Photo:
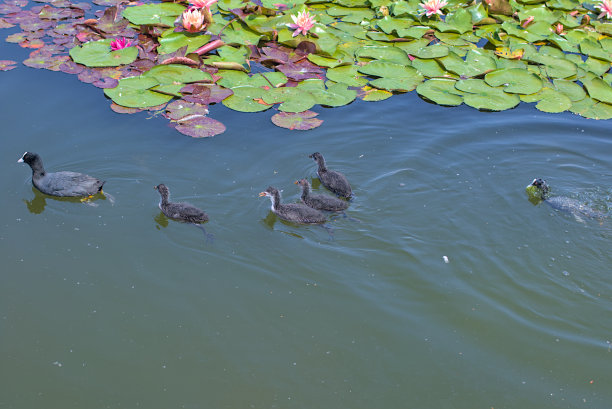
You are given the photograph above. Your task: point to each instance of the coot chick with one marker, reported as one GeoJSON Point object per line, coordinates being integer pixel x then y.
{"type": "Point", "coordinates": [334, 181]}
{"type": "Point", "coordinates": [62, 184]}
{"type": "Point", "coordinates": [180, 211]}
{"type": "Point", "coordinates": [320, 202]}
{"type": "Point", "coordinates": [539, 191]}
{"type": "Point", "coordinates": [292, 212]}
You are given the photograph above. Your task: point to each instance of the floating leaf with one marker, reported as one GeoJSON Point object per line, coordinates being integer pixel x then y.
{"type": "Point", "coordinates": [515, 80]}
{"type": "Point", "coordinates": [599, 90]}
{"type": "Point", "coordinates": [441, 91]}
{"type": "Point", "coordinates": [99, 54]}
{"type": "Point", "coordinates": [476, 63]}
{"type": "Point", "coordinates": [7, 65]}
{"type": "Point", "coordinates": [134, 92]}
{"type": "Point", "coordinates": [590, 108]}
{"type": "Point", "coordinates": [480, 95]}
{"type": "Point", "coordinates": [162, 14]}
{"type": "Point", "coordinates": [347, 74]}
{"type": "Point", "coordinates": [391, 54]}
{"type": "Point", "coordinates": [553, 101]}
{"type": "Point", "coordinates": [301, 121]}
{"type": "Point", "coordinates": [200, 127]}
{"type": "Point", "coordinates": [176, 74]}
{"type": "Point", "coordinates": [171, 41]}
{"type": "Point", "coordinates": [370, 94]}
{"type": "Point", "coordinates": [180, 109]}
{"type": "Point", "coordinates": [572, 90]}
{"type": "Point", "coordinates": [247, 99]}
{"type": "Point", "coordinates": [291, 99]}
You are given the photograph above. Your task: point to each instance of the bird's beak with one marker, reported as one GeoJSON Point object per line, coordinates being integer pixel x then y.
{"type": "Point", "coordinates": [20, 160]}
{"type": "Point", "coordinates": [154, 187]}
{"type": "Point", "coordinates": [296, 182]}
{"type": "Point", "coordinates": [262, 194]}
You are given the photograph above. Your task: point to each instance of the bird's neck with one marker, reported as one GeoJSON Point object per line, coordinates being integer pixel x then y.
{"type": "Point", "coordinates": [275, 199]}
{"type": "Point", "coordinates": [305, 192]}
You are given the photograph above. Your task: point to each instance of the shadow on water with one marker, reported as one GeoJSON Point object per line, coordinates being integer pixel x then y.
{"type": "Point", "coordinates": [39, 202]}
{"type": "Point", "coordinates": [162, 220]}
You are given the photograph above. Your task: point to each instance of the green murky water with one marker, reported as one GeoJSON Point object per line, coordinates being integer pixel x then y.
{"type": "Point", "coordinates": [114, 306]}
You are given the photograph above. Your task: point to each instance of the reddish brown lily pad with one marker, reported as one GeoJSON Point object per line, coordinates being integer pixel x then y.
{"type": "Point", "coordinates": [7, 65]}
{"type": "Point", "coordinates": [181, 109]}
{"type": "Point", "coordinates": [9, 8]}
{"type": "Point", "coordinates": [105, 82]}
{"type": "Point", "coordinates": [34, 43]}
{"type": "Point", "coordinates": [301, 121]}
{"type": "Point", "coordinates": [205, 94]}
{"type": "Point", "coordinates": [35, 25]}
{"type": "Point", "coordinates": [53, 13]}
{"type": "Point", "coordinates": [200, 127]}
{"type": "Point", "coordinates": [124, 110]}
{"type": "Point", "coordinates": [5, 24]}
{"type": "Point", "coordinates": [70, 67]}
{"type": "Point", "coordinates": [302, 70]}
{"type": "Point", "coordinates": [43, 60]}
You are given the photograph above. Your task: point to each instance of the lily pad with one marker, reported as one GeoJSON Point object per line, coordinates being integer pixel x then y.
{"type": "Point", "coordinates": [247, 99]}
{"type": "Point", "coordinates": [553, 101]}
{"type": "Point", "coordinates": [180, 109]}
{"type": "Point", "coordinates": [599, 90]}
{"type": "Point", "coordinates": [572, 90]}
{"type": "Point", "coordinates": [301, 121]}
{"type": "Point", "coordinates": [200, 127]}
{"type": "Point", "coordinates": [163, 14]}
{"type": "Point", "coordinates": [7, 65]}
{"type": "Point", "coordinates": [515, 80]}
{"type": "Point", "coordinates": [134, 92]}
{"type": "Point", "coordinates": [371, 94]}
{"type": "Point", "coordinates": [171, 41]}
{"type": "Point", "coordinates": [291, 99]}
{"type": "Point", "coordinates": [590, 108]}
{"type": "Point", "coordinates": [99, 54]}
{"type": "Point", "coordinates": [441, 91]}
{"type": "Point", "coordinates": [176, 74]}
{"type": "Point", "coordinates": [476, 63]}
{"type": "Point", "coordinates": [480, 95]}
{"type": "Point", "coordinates": [347, 74]}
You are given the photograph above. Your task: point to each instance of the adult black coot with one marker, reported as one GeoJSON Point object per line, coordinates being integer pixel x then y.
{"type": "Point", "coordinates": [334, 181]}
{"type": "Point", "coordinates": [180, 211]}
{"type": "Point", "coordinates": [62, 184]}
{"type": "Point", "coordinates": [320, 202]}
{"type": "Point", "coordinates": [293, 212]}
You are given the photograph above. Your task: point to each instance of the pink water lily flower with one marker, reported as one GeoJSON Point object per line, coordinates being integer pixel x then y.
{"type": "Point", "coordinates": [201, 4]}
{"type": "Point", "coordinates": [559, 29]}
{"type": "Point", "coordinates": [120, 43]}
{"type": "Point", "coordinates": [303, 22]}
{"type": "Point", "coordinates": [193, 20]}
{"type": "Point", "coordinates": [431, 7]}
{"type": "Point", "coordinates": [606, 8]}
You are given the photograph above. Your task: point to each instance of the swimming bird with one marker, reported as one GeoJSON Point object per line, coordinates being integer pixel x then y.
{"type": "Point", "coordinates": [539, 190]}
{"type": "Point", "coordinates": [180, 211]}
{"type": "Point", "coordinates": [320, 202]}
{"type": "Point", "coordinates": [62, 184]}
{"type": "Point", "coordinates": [334, 181]}
{"type": "Point", "coordinates": [293, 212]}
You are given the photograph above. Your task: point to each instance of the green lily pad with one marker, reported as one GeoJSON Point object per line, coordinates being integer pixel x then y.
{"type": "Point", "coordinates": [246, 99]}
{"type": "Point", "coordinates": [441, 91]}
{"type": "Point", "coordinates": [291, 99]}
{"type": "Point", "coordinates": [301, 121]}
{"type": "Point", "coordinates": [429, 67]}
{"type": "Point", "coordinates": [599, 90]}
{"type": "Point", "coordinates": [162, 14]}
{"type": "Point", "coordinates": [99, 54]}
{"type": "Point", "coordinates": [347, 74]}
{"type": "Point", "coordinates": [572, 90]}
{"type": "Point", "coordinates": [176, 74]}
{"type": "Point", "coordinates": [390, 53]}
{"type": "Point", "coordinates": [515, 80]}
{"type": "Point", "coordinates": [171, 41]}
{"type": "Point", "coordinates": [553, 101]}
{"type": "Point", "coordinates": [590, 108]}
{"type": "Point", "coordinates": [421, 49]}
{"type": "Point", "coordinates": [134, 92]}
{"type": "Point", "coordinates": [334, 95]}
{"type": "Point", "coordinates": [594, 49]}
{"type": "Point", "coordinates": [476, 63]}
{"type": "Point", "coordinates": [324, 61]}
{"type": "Point", "coordinates": [480, 95]}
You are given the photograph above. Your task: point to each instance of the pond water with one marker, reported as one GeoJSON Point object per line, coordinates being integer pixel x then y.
{"type": "Point", "coordinates": [115, 306]}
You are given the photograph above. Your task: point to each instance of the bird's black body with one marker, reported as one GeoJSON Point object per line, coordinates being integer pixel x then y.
{"type": "Point", "coordinates": [293, 212]}
{"type": "Point", "coordinates": [334, 181]}
{"type": "Point", "coordinates": [180, 211]}
{"type": "Point", "coordinates": [320, 202]}
{"type": "Point", "coordinates": [61, 184]}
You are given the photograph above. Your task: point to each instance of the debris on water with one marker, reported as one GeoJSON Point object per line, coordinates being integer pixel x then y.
{"type": "Point", "coordinates": [565, 273]}
{"type": "Point", "coordinates": [445, 259]}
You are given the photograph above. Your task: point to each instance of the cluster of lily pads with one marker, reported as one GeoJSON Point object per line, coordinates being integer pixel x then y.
{"type": "Point", "coordinates": [290, 55]}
